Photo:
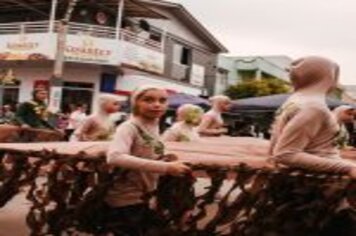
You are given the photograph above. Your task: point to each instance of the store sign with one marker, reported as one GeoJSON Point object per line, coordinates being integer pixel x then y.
{"type": "Point", "coordinates": [197, 77]}
{"type": "Point", "coordinates": [87, 49]}
{"type": "Point", "coordinates": [141, 57]}
{"type": "Point", "coordinates": [27, 47]}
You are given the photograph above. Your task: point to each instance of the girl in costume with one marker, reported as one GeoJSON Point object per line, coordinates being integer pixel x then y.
{"type": "Point", "coordinates": [137, 149]}
{"type": "Point", "coordinates": [99, 126]}
{"type": "Point", "coordinates": [188, 117]}
{"type": "Point", "coordinates": [34, 113]}
{"type": "Point", "coordinates": [212, 123]}
{"type": "Point", "coordinates": [305, 131]}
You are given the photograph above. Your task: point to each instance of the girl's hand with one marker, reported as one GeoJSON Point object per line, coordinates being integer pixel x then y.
{"type": "Point", "coordinates": [170, 157]}
{"type": "Point", "coordinates": [177, 168]}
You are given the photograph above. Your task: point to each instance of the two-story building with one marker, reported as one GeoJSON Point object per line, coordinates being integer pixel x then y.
{"type": "Point", "coordinates": [109, 46]}
{"type": "Point", "coordinates": [234, 69]}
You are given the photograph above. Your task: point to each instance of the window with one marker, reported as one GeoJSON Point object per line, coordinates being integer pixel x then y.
{"type": "Point", "coordinates": [10, 92]}
{"type": "Point", "coordinates": [181, 54]}
{"type": "Point", "coordinates": [247, 74]}
{"type": "Point", "coordinates": [107, 83]}
{"type": "Point", "coordinates": [155, 36]}
{"type": "Point", "coordinates": [10, 95]}
{"type": "Point", "coordinates": [77, 93]}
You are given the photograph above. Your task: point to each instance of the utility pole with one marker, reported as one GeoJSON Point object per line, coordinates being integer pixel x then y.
{"type": "Point", "coordinates": [57, 79]}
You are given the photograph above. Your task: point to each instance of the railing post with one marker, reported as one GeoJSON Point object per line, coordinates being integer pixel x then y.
{"type": "Point", "coordinates": [52, 18]}
{"type": "Point", "coordinates": [120, 11]}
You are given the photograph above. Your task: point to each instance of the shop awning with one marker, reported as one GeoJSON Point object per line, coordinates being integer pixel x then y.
{"type": "Point", "coordinates": [271, 103]}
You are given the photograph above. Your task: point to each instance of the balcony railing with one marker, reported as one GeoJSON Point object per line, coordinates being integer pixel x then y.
{"type": "Point", "coordinates": [140, 39]}
{"type": "Point", "coordinates": [24, 27]}
{"type": "Point", "coordinates": [79, 28]}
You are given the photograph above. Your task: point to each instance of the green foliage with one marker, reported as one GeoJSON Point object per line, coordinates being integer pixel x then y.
{"type": "Point", "coordinates": [257, 88]}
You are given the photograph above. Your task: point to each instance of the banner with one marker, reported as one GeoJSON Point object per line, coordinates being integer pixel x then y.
{"type": "Point", "coordinates": [31, 47]}
{"type": "Point", "coordinates": [88, 49]}
{"type": "Point", "coordinates": [141, 57]}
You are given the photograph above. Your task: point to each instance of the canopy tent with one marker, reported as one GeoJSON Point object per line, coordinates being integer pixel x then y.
{"type": "Point", "coordinates": [177, 99]}
{"type": "Point", "coordinates": [271, 103]}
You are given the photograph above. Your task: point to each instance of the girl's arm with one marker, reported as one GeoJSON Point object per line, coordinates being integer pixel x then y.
{"type": "Point", "coordinates": [83, 131]}
{"type": "Point", "coordinates": [204, 127]}
{"type": "Point", "coordinates": [294, 138]}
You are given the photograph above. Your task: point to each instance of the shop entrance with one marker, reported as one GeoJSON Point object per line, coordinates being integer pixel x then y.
{"type": "Point", "coordinates": [77, 93]}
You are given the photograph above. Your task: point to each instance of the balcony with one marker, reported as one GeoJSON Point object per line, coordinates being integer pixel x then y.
{"type": "Point", "coordinates": [85, 43]}
{"type": "Point", "coordinates": [80, 29]}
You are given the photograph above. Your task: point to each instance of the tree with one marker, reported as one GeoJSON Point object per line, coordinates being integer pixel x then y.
{"type": "Point", "coordinates": [257, 88]}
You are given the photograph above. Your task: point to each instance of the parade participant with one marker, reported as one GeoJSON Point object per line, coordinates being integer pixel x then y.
{"type": "Point", "coordinates": [8, 115]}
{"type": "Point", "coordinates": [344, 115]}
{"type": "Point", "coordinates": [138, 150]}
{"type": "Point", "coordinates": [34, 113]}
{"type": "Point", "coordinates": [305, 131]}
{"type": "Point", "coordinates": [212, 123]}
{"type": "Point", "coordinates": [99, 126]}
{"type": "Point", "coordinates": [75, 120]}
{"type": "Point", "coordinates": [188, 117]}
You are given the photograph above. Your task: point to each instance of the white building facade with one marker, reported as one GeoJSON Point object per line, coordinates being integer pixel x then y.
{"type": "Point", "coordinates": [145, 42]}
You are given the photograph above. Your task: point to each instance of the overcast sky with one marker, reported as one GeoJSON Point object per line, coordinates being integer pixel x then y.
{"type": "Point", "coordinates": [284, 27]}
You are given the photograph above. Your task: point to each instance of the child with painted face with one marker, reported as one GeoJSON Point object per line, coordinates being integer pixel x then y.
{"type": "Point", "coordinates": [212, 123]}
{"type": "Point", "coordinates": [305, 131]}
{"type": "Point", "coordinates": [99, 126]}
{"type": "Point", "coordinates": [137, 149]}
{"type": "Point", "coordinates": [188, 117]}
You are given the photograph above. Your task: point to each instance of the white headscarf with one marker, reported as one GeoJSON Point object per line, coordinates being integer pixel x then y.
{"type": "Point", "coordinates": [138, 92]}
{"type": "Point", "coordinates": [217, 100]}
{"type": "Point", "coordinates": [313, 77]}
{"type": "Point", "coordinates": [189, 113]}
{"type": "Point", "coordinates": [103, 100]}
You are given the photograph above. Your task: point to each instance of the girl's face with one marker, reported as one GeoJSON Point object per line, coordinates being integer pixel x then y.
{"type": "Point", "coordinates": [112, 106]}
{"type": "Point", "coordinates": [152, 104]}
{"type": "Point", "coordinates": [225, 106]}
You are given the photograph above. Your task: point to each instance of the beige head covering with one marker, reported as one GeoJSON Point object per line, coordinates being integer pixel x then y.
{"type": "Point", "coordinates": [104, 99]}
{"type": "Point", "coordinates": [189, 113]}
{"type": "Point", "coordinates": [314, 74]}
{"type": "Point", "coordinates": [217, 100]}
{"type": "Point", "coordinates": [138, 92]}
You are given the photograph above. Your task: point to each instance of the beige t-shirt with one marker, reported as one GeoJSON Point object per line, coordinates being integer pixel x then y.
{"type": "Point", "coordinates": [94, 128]}
{"type": "Point", "coordinates": [305, 136]}
{"type": "Point", "coordinates": [137, 149]}
{"type": "Point", "coordinates": [211, 124]}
